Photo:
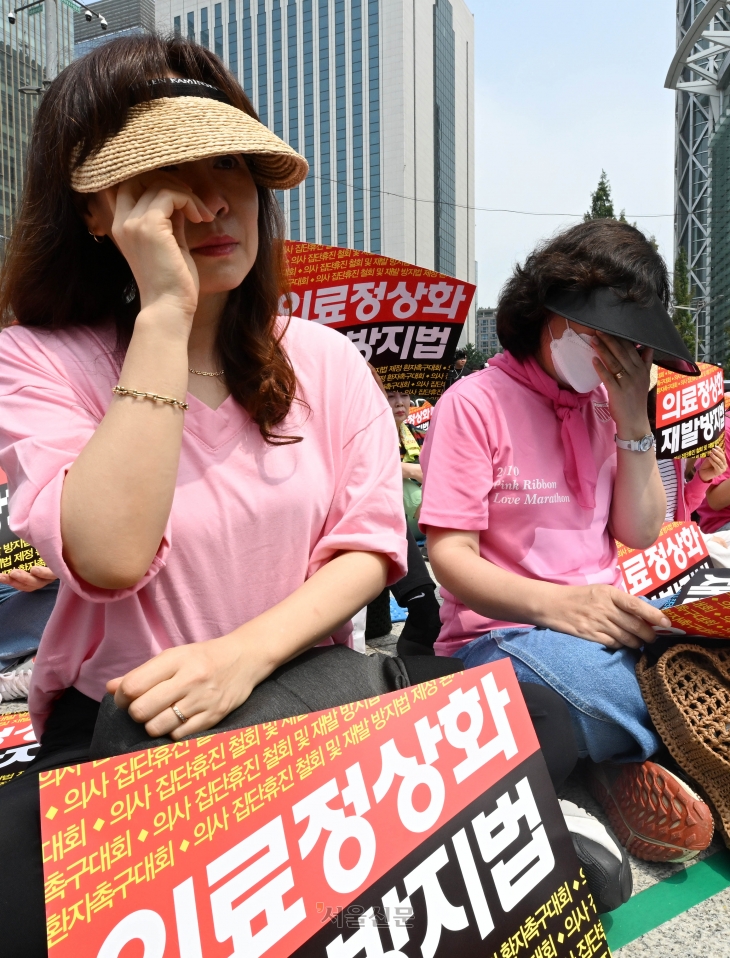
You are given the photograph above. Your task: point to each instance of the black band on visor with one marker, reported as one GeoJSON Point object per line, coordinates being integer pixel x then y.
{"type": "Point", "coordinates": [177, 86]}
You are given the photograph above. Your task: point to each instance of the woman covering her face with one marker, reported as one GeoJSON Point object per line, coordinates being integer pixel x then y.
{"type": "Point", "coordinates": [216, 486]}
{"type": "Point", "coordinates": [534, 467]}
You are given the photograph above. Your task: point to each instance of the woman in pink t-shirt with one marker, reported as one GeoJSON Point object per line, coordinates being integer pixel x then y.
{"type": "Point", "coordinates": [533, 468]}
{"type": "Point", "coordinates": [217, 488]}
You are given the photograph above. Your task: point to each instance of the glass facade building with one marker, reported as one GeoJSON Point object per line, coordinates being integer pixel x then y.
{"type": "Point", "coordinates": [444, 139]}
{"type": "Point", "coordinates": [312, 71]}
{"type": "Point", "coordinates": [375, 94]}
{"type": "Point", "coordinates": [22, 78]}
{"type": "Point", "coordinates": [486, 340]}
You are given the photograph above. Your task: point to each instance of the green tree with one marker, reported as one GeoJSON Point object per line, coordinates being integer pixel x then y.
{"type": "Point", "coordinates": [683, 319]}
{"type": "Point", "coordinates": [601, 201]}
{"type": "Point", "coordinates": [475, 358]}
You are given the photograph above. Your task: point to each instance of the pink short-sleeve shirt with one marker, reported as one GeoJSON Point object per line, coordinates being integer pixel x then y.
{"type": "Point", "coordinates": [250, 522]}
{"type": "Point", "coordinates": [493, 463]}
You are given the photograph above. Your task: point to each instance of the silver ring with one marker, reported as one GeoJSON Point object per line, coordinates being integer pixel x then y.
{"type": "Point", "coordinates": [179, 714]}
{"type": "Point", "coordinates": [619, 374]}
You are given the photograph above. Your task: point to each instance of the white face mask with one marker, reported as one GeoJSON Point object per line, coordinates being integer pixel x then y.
{"type": "Point", "coordinates": [572, 357]}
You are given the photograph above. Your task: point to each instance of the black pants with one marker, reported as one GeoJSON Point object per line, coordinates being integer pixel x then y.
{"type": "Point", "coordinates": [416, 578]}
{"type": "Point", "coordinates": [66, 741]}
{"type": "Point", "coordinates": [417, 575]}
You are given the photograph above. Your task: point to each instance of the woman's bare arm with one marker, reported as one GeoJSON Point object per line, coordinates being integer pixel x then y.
{"type": "Point", "coordinates": [412, 470]}
{"type": "Point", "coordinates": [638, 504]}
{"type": "Point", "coordinates": [207, 680]}
{"type": "Point", "coordinates": [118, 494]}
{"type": "Point", "coordinates": [718, 497]}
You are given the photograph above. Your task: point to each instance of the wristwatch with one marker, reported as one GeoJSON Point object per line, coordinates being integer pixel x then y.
{"type": "Point", "coordinates": [636, 445]}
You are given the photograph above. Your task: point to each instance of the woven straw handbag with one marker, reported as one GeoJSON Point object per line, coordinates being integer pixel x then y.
{"type": "Point", "coordinates": [687, 693]}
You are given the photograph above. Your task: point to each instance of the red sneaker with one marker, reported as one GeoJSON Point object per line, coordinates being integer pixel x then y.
{"type": "Point", "coordinates": [654, 814]}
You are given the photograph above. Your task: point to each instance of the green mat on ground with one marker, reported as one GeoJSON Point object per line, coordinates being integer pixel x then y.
{"type": "Point", "coordinates": [667, 899]}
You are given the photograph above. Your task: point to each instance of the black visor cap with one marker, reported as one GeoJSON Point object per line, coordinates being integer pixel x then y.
{"type": "Point", "coordinates": [603, 308]}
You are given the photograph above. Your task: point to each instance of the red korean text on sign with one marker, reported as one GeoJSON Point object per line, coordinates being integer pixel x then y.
{"type": "Point", "coordinates": [690, 412]}
{"type": "Point", "coordinates": [405, 320]}
{"type": "Point", "coordinates": [228, 845]}
{"type": "Point", "coordinates": [420, 416]}
{"type": "Point", "coordinates": [664, 567]}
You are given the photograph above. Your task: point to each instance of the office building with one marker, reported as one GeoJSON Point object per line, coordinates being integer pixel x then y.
{"type": "Point", "coordinates": [125, 18]}
{"type": "Point", "coordinates": [486, 340]}
{"type": "Point", "coordinates": [700, 73]}
{"type": "Point", "coordinates": [378, 95]}
{"type": "Point", "coordinates": [24, 55]}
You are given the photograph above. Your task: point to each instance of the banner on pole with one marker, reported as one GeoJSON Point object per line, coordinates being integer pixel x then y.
{"type": "Point", "coordinates": [15, 553]}
{"type": "Point", "coordinates": [417, 823]}
{"type": "Point", "coordinates": [405, 320]}
{"type": "Point", "coordinates": [663, 568]}
{"type": "Point", "coordinates": [690, 413]}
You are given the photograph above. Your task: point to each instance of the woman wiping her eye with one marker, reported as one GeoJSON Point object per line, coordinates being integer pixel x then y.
{"type": "Point", "coordinates": [217, 487]}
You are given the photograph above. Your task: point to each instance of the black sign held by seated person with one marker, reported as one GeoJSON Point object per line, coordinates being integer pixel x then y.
{"type": "Point", "coordinates": [15, 553]}
{"type": "Point", "coordinates": [690, 413]}
{"type": "Point", "coordinates": [417, 824]}
{"type": "Point", "coordinates": [405, 320]}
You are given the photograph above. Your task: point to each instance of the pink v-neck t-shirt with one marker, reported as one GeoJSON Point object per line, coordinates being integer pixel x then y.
{"type": "Point", "coordinates": [493, 463]}
{"type": "Point", "coordinates": [250, 522]}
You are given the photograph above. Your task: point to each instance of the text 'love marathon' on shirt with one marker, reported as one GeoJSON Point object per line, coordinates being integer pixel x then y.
{"type": "Point", "coordinates": [417, 823]}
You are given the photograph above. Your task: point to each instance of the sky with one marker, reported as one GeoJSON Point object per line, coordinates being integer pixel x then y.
{"type": "Point", "coordinates": [565, 89]}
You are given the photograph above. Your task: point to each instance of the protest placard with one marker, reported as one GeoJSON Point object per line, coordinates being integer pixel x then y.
{"type": "Point", "coordinates": [417, 823]}
{"type": "Point", "coordinates": [690, 413]}
{"type": "Point", "coordinates": [14, 552]}
{"type": "Point", "coordinates": [703, 607]}
{"type": "Point", "coordinates": [664, 567]}
{"type": "Point", "coordinates": [420, 416]}
{"type": "Point", "coordinates": [405, 320]}
{"type": "Point", "coordinates": [18, 744]}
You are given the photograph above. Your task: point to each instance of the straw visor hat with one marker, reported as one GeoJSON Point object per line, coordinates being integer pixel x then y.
{"type": "Point", "coordinates": [184, 121]}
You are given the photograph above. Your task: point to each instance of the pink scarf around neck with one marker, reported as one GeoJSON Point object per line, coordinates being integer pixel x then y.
{"type": "Point", "coordinates": [580, 467]}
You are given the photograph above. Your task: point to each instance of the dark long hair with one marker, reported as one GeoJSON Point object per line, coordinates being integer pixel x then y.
{"type": "Point", "coordinates": [55, 275]}
{"type": "Point", "coordinates": [601, 252]}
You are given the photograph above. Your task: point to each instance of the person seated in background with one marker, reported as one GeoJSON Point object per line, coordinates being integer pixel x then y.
{"type": "Point", "coordinates": [410, 455]}
{"type": "Point", "coordinates": [533, 468]}
{"type": "Point", "coordinates": [714, 511]}
{"type": "Point", "coordinates": [416, 591]}
{"type": "Point", "coordinates": [458, 368]}
{"type": "Point", "coordinates": [686, 481]}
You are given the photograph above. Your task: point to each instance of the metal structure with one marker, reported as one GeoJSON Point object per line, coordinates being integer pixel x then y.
{"type": "Point", "coordinates": [700, 73]}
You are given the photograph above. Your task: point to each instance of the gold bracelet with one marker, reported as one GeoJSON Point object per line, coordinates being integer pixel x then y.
{"type": "Point", "coordinates": [121, 391]}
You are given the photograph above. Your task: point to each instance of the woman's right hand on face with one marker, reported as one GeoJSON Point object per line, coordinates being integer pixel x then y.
{"type": "Point", "coordinates": [149, 229]}
{"type": "Point", "coordinates": [604, 614]}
